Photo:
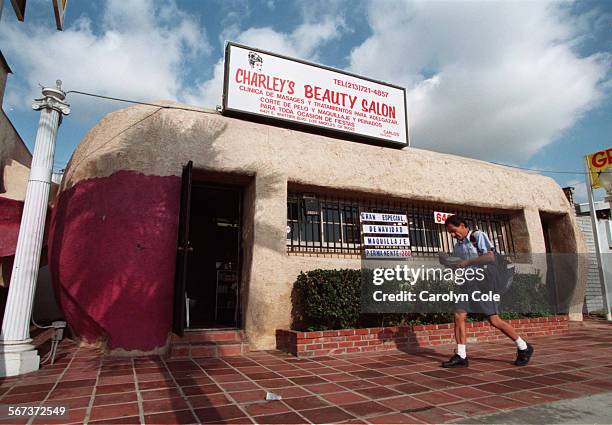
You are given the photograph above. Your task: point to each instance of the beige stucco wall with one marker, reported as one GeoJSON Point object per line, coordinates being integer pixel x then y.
{"type": "Point", "coordinates": [15, 160]}
{"type": "Point", "coordinates": [158, 141]}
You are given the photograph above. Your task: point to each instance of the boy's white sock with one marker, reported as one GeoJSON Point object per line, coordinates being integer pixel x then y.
{"type": "Point", "coordinates": [461, 351]}
{"type": "Point", "coordinates": [520, 344]}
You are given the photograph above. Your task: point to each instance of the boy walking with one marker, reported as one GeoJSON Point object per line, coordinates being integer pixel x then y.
{"type": "Point", "coordinates": [476, 250]}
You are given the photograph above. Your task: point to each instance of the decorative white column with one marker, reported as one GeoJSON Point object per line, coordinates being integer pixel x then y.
{"type": "Point", "coordinates": [17, 354]}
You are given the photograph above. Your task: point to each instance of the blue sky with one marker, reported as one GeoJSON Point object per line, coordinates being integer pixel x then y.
{"type": "Point", "coordinates": [523, 83]}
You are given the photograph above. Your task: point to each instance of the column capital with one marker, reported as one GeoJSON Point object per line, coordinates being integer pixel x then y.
{"type": "Point", "coordinates": [53, 99]}
{"type": "Point", "coordinates": [51, 103]}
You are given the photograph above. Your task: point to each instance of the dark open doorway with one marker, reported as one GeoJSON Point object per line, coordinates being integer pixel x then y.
{"type": "Point", "coordinates": [208, 267]}
{"type": "Point", "coordinates": [550, 273]}
{"type": "Point", "coordinates": [212, 283]}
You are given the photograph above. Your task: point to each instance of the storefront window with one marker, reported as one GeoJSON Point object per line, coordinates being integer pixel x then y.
{"type": "Point", "coordinates": [304, 228]}
{"type": "Point", "coordinates": [325, 224]}
{"type": "Point", "coordinates": [350, 225]}
{"type": "Point", "coordinates": [331, 223]}
{"type": "Point", "coordinates": [423, 234]}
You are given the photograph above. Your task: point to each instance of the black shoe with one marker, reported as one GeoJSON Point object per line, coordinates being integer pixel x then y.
{"type": "Point", "coordinates": [523, 356]}
{"type": "Point", "coordinates": [456, 361]}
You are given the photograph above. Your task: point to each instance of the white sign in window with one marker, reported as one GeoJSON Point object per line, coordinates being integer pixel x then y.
{"type": "Point", "coordinates": [388, 253]}
{"type": "Point", "coordinates": [386, 218]}
{"type": "Point", "coordinates": [384, 229]}
{"type": "Point", "coordinates": [385, 241]}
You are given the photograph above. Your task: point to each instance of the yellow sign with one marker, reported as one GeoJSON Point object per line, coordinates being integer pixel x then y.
{"type": "Point", "coordinates": [599, 162]}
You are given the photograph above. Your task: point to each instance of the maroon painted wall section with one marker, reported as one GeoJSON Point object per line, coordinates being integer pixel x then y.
{"type": "Point", "coordinates": [112, 256]}
{"type": "Point", "coordinates": [10, 220]}
{"type": "Point", "coordinates": [10, 217]}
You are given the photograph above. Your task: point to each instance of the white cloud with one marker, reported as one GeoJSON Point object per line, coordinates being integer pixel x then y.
{"type": "Point", "coordinates": [493, 80]}
{"type": "Point", "coordinates": [209, 92]}
{"type": "Point", "coordinates": [139, 52]}
{"type": "Point", "coordinates": [484, 76]}
{"type": "Point", "coordinates": [303, 42]}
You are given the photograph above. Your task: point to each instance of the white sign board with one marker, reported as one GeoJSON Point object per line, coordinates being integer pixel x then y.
{"type": "Point", "coordinates": [386, 218]}
{"type": "Point", "coordinates": [440, 217]}
{"type": "Point", "coordinates": [388, 253]}
{"type": "Point", "coordinates": [272, 86]}
{"type": "Point", "coordinates": [385, 241]}
{"type": "Point", "coordinates": [383, 229]}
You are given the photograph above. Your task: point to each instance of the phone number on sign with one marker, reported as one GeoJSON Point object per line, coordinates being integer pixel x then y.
{"type": "Point", "coordinates": [389, 253]}
{"type": "Point", "coordinates": [33, 410]}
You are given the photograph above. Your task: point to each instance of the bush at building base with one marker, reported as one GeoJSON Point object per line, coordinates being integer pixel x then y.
{"type": "Point", "coordinates": [331, 299]}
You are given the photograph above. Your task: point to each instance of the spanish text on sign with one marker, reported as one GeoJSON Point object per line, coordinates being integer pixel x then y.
{"type": "Point", "coordinates": [388, 253]}
{"type": "Point", "coordinates": [269, 85]}
{"type": "Point", "coordinates": [387, 218]}
{"type": "Point", "coordinates": [382, 229]}
{"type": "Point", "coordinates": [382, 241]}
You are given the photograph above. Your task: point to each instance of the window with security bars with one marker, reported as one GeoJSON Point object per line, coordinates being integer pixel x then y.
{"type": "Point", "coordinates": [327, 224]}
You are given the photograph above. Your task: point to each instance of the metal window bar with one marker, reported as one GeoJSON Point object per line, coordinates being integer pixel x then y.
{"type": "Point", "coordinates": [337, 226]}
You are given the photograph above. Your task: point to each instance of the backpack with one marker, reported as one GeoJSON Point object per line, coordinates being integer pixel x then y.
{"type": "Point", "coordinates": [504, 269]}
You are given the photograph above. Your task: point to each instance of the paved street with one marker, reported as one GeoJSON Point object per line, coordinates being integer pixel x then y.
{"type": "Point", "coordinates": [388, 387]}
{"type": "Point", "coordinates": [593, 409]}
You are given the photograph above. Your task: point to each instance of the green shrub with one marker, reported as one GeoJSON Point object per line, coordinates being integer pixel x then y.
{"type": "Point", "coordinates": [328, 299]}
{"type": "Point", "coordinates": [528, 297]}
{"type": "Point", "coordinates": [331, 299]}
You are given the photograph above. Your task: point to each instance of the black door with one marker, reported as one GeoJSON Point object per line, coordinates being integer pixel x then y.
{"type": "Point", "coordinates": [213, 281]}
{"type": "Point", "coordinates": [183, 251]}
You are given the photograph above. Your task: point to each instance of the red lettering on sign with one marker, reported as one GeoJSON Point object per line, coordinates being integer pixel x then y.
{"type": "Point", "coordinates": [601, 159]}
{"type": "Point", "coordinates": [440, 217]}
{"type": "Point", "coordinates": [264, 81]}
{"type": "Point", "coordinates": [378, 108]}
{"type": "Point", "coordinates": [329, 96]}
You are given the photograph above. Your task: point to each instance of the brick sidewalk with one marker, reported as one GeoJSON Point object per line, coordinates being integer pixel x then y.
{"type": "Point", "coordinates": [389, 387]}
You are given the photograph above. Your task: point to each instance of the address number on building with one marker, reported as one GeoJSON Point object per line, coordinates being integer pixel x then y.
{"type": "Point", "coordinates": [440, 217]}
